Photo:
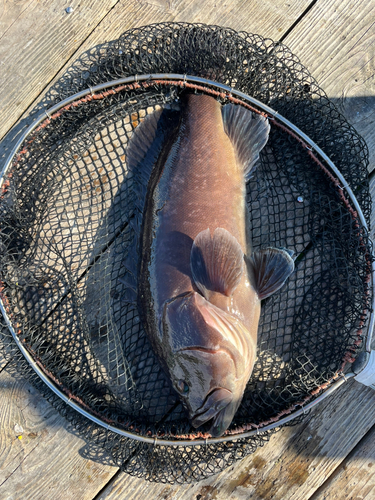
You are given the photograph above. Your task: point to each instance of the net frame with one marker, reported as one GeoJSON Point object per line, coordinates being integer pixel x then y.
{"type": "Point", "coordinates": [225, 92]}
{"type": "Point", "coordinates": [278, 120]}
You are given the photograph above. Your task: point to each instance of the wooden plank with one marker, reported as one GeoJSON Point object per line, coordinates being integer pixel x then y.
{"type": "Point", "coordinates": [336, 42]}
{"type": "Point", "coordinates": [236, 482]}
{"type": "Point", "coordinates": [10, 12]}
{"type": "Point", "coordinates": [40, 458]}
{"type": "Point", "coordinates": [355, 478]}
{"type": "Point", "coordinates": [293, 465]}
{"type": "Point", "coordinates": [268, 18]}
{"type": "Point", "coordinates": [36, 41]}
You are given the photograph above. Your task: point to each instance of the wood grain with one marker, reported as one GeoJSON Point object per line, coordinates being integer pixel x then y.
{"type": "Point", "coordinates": [355, 478]}
{"type": "Point", "coordinates": [298, 460]}
{"type": "Point", "coordinates": [10, 12]}
{"type": "Point", "coordinates": [36, 44]}
{"type": "Point", "coordinates": [39, 458]}
{"type": "Point", "coordinates": [336, 42]}
{"type": "Point", "coordinates": [25, 83]}
{"type": "Point", "coordinates": [295, 462]}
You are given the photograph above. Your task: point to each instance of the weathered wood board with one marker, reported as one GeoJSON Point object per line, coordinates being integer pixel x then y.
{"type": "Point", "coordinates": [295, 462]}
{"type": "Point", "coordinates": [40, 457]}
{"type": "Point", "coordinates": [268, 18]}
{"type": "Point", "coordinates": [336, 42]}
{"type": "Point", "coordinates": [355, 478]}
{"type": "Point", "coordinates": [35, 41]}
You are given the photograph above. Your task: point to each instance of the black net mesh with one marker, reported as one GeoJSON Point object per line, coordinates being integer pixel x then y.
{"type": "Point", "coordinates": [67, 232]}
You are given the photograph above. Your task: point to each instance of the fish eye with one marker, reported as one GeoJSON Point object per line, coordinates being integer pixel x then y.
{"type": "Point", "coordinates": [182, 386]}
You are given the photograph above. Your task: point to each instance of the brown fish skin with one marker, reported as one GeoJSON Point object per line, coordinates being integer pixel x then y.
{"type": "Point", "coordinates": [205, 338]}
{"type": "Point", "coordinates": [201, 187]}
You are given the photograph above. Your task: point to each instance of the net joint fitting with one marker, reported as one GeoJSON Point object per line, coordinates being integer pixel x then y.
{"type": "Point", "coordinates": [91, 91]}
{"type": "Point", "coordinates": [272, 117]}
{"type": "Point", "coordinates": [155, 441]}
{"type": "Point", "coordinates": [184, 81]}
{"type": "Point", "coordinates": [136, 78]}
{"type": "Point", "coordinates": [343, 374]}
{"type": "Point", "coordinates": [309, 148]}
{"type": "Point", "coordinates": [48, 115]}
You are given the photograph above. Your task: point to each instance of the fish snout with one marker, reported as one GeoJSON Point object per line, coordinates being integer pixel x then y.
{"type": "Point", "coordinates": [215, 402]}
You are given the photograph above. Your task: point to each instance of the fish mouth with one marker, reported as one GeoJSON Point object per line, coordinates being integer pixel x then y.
{"type": "Point", "coordinates": [214, 404]}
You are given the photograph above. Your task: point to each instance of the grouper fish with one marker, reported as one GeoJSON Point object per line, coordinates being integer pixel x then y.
{"type": "Point", "coordinates": [200, 285]}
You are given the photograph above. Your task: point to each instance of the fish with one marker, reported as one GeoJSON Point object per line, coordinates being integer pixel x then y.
{"type": "Point", "coordinates": [199, 283]}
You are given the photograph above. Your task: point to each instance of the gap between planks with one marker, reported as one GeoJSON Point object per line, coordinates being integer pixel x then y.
{"type": "Point", "coordinates": [297, 21]}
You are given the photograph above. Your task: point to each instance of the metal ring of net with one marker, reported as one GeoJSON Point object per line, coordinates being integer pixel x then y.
{"type": "Point", "coordinates": [66, 225]}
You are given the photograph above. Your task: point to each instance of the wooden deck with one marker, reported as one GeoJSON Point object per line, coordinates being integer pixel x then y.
{"type": "Point", "coordinates": [331, 455]}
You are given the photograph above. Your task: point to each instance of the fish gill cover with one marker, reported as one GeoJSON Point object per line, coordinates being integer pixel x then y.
{"type": "Point", "coordinates": [69, 239]}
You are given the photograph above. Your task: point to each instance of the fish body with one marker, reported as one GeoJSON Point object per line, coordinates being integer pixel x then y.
{"type": "Point", "coordinates": [199, 284]}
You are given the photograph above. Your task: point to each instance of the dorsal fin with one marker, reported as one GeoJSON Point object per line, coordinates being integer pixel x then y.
{"type": "Point", "coordinates": [216, 262]}
{"type": "Point", "coordinates": [271, 267]}
{"type": "Point", "coordinates": [248, 133]}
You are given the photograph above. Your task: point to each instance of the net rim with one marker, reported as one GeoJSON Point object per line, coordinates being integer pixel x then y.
{"type": "Point", "coordinates": [226, 92]}
{"type": "Point", "coordinates": [185, 78]}
{"type": "Point", "coordinates": [168, 442]}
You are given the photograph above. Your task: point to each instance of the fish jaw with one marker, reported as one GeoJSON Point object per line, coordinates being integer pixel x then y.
{"type": "Point", "coordinates": [203, 371]}
{"type": "Point", "coordinates": [223, 418]}
{"type": "Point", "coordinates": [213, 357]}
{"type": "Point", "coordinates": [214, 403]}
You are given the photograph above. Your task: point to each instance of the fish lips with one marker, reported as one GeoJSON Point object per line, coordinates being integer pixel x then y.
{"type": "Point", "coordinates": [214, 407]}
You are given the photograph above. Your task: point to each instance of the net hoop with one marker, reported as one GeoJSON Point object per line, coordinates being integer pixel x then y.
{"type": "Point", "coordinates": [312, 148]}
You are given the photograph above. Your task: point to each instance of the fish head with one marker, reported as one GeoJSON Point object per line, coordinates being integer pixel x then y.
{"type": "Point", "coordinates": [206, 365]}
{"type": "Point", "coordinates": [206, 383]}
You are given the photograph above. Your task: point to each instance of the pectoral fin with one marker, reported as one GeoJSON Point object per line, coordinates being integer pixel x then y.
{"type": "Point", "coordinates": [271, 267]}
{"type": "Point", "coordinates": [216, 262]}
